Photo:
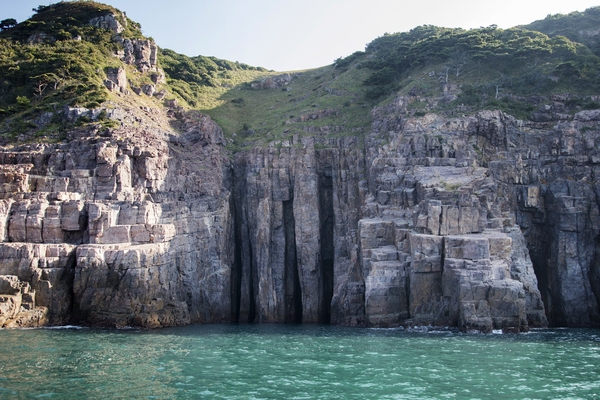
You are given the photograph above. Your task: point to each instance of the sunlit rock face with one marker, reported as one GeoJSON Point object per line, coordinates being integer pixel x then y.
{"type": "Point", "coordinates": [482, 222]}
{"type": "Point", "coordinates": [122, 227]}
{"type": "Point", "coordinates": [491, 216]}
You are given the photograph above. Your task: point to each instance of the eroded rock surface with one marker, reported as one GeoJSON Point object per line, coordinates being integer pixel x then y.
{"type": "Point", "coordinates": [122, 227]}
{"type": "Point", "coordinates": [433, 224]}
{"type": "Point", "coordinates": [481, 222]}
{"type": "Point", "coordinates": [17, 304]}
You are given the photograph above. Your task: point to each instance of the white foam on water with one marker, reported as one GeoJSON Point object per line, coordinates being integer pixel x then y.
{"type": "Point", "coordinates": [73, 327]}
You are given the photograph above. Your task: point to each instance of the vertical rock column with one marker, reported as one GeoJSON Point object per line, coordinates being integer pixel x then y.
{"type": "Point", "coordinates": [267, 276]}
{"type": "Point", "coordinates": [296, 248]}
{"type": "Point", "coordinates": [308, 226]}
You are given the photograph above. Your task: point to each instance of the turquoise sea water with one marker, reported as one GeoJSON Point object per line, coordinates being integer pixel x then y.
{"type": "Point", "coordinates": [298, 362]}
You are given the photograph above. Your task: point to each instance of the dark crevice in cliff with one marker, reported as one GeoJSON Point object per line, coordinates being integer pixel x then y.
{"type": "Point", "coordinates": [252, 299]}
{"type": "Point", "coordinates": [72, 308]}
{"type": "Point", "coordinates": [243, 275]}
{"type": "Point", "coordinates": [236, 272]}
{"type": "Point", "coordinates": [552, 247]}
{"type": "Point", "coordinates": [327, 245]}
{"type": "Point", "coordinates": [540, 269]}
{"type": "Point", "coordinates": [539, 258]}
{"type": "Point", "coordinates": [293, 291]}
{"type": "Point", "coordinates": [594, 273]}
{"type": "Point", "coordinates": [442, 266]}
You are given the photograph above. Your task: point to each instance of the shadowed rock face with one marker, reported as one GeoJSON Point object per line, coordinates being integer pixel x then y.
{"type": "Point", "coordinates": [433, 223]}
{"type": "Point", "coordinates": [412, 232]}
{"type": "Point", "coordinates": [480, 222]}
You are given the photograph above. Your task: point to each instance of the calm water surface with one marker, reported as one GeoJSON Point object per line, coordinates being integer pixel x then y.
{"type": "Point", "coordinates": [298, 362]}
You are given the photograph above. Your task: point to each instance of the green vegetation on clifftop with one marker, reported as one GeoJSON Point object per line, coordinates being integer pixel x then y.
{"type": "Point", "coordinates": [488, 60]}
{"type": "Point", "coordinates": [581, 27]}
{"type": "Point", "coordinates": [57, 59]}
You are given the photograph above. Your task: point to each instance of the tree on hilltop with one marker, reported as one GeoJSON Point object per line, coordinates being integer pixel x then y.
{"type": "Point", "coordinates": [7, 23]}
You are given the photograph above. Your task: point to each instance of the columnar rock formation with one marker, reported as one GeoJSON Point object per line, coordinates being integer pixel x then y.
{"type": "Point", "coordinates": [467, 222]}
{"type": "Point", "coordinates": [297, 210]}
{"type": "Point", "coordinates": [431, 225]}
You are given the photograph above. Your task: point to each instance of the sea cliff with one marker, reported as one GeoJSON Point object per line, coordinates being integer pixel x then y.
{"type": "Point", "coordinates": [472, 218]}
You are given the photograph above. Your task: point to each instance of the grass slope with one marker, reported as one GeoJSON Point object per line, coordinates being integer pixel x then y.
{"type": "Point", "coordinates": [443, 70]}
{"type": "Point", "coordinates": [316, 98]}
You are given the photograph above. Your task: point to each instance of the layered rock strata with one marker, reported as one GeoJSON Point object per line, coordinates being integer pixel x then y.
{"type": "Point", "coordinates": [481, 222]}
{"type": "Point", "coordinates": [17, 304]}
{"type": "Point", "coordinates": [121, 227]}
{"type": "Point", "coordinates": [408, 233]}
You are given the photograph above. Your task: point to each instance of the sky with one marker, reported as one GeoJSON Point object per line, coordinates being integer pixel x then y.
{"type": "Point", "coordinates": [286, 35]}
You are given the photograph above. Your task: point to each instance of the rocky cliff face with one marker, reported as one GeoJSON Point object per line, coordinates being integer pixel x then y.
{"type": "Point", "coordinates": [482, 222]}
{"type": "Point", "coordinates": [467, 221]}
{"type": "Point", "coordinates": [122, 227]}
{"type": "Point", "coordinates": [297, 209]}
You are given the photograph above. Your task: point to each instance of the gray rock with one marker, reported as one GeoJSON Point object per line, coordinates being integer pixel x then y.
{"type": "Point", "coordinates": [116, 79]}
{"type": "Point", "coordinates": [481, 222]}
{"type": "Point", "coordinates": [273, 82]}
{"type": "Point", "coordinates": [148, 90]}
{"type": "Point", "coordinates": [109, 22]}
{"type": "Point", "coordinates": [142, 53]}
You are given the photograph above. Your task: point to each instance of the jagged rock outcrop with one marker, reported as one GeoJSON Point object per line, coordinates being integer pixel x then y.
{"type": "Point", "coordinates": [139, 52]}
{"type": "Point", "coordinates": [110, 22]}
{"type": "Point", "coordinates": [122, 227]}
{"type": "Point", "coordinates": [116, 79]}
{"type": "Point", "coordinates": [143, 53]}
{"type": "Point", "coordinates": [273, 82]}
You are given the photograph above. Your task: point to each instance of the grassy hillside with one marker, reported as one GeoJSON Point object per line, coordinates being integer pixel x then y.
{"type": "Point", "coordinates": [323, 99]}
{"type": "Point", "coordinates": [487, 65]}
{"type": "Point", "coordinates": [198, 81]}
{"type": "Point", "coordinates": [57, 58]}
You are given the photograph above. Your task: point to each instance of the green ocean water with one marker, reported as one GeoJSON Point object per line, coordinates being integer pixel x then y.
{"type": "Point", "coordinates": [298, 362]}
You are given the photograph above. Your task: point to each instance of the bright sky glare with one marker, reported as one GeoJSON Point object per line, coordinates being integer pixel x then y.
{"type": "Point", "coordinates": [291, 35]}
